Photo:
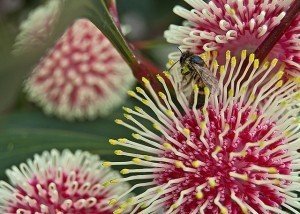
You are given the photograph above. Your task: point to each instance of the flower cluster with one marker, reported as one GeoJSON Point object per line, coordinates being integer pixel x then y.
{"type": "Point", "coordinates": [234, 25]}
{"type": "Point", "coordinates": [236, 154]}
{"type": "Point", "coordinates": [82, 76]}
{"type": "Point", "coordinates": [59, 183]}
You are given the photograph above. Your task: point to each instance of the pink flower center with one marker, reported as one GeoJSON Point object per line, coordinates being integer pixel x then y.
{"type": "Point", "coordinates": [226, 163]}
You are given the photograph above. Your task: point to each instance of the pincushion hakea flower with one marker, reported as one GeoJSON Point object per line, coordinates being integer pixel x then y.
{"type": "Point", "coordinates": [231, 156]}
{"type": "Point", "coordinates": [36, 30]}
{"type": "Point", "coordinates": [234, 25]}
{"type": "Point", "coordinates": [82, 76]}
{"type": "Point", "coordinates": [59, 183]}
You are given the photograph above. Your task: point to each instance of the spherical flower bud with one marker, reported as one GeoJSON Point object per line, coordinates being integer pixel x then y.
{"type": "Point", "coordinates": [38, 27]}
{"type": "Point", "coordinates": [235, 153]}
{"type": "Point", "coordinates": [235, 25]}
{"type": "Point", "coordinates": [59, 183]}
{"type": "Point", "coordinates": [81, 77]}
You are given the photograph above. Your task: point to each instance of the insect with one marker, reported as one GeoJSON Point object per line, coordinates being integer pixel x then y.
{"type": "Point", "coordinates": [194, 70]}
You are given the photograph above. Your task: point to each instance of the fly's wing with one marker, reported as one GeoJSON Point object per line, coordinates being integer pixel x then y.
{"type": "Point", "coordinates": [208, 78]}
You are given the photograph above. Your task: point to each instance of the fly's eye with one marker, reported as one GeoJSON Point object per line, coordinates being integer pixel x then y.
{"type": "Point", "coordinates": [185, 70]}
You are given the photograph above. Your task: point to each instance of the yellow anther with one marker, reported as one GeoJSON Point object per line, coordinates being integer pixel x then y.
{"type": "Point", "coordinates": [128, 110]}
{"type": "Point", "coordinates": [136, 136]}
{"type": "Point", "coordinates": [296, 80]}
{"type": "Point", "coordinates": [195, 87]}
{"type": "Point", "coordinates": [244, 54]}
{"type": "Point", "coordinates": [272, 170]}
{"type": "Point", "coordinates": [124, 205]}
{"type": "Point", "coordinates": [170, 113]}
{"type": "Point", "coordinates": [179, 164]}
{"type": "Point", "coordinates": [114, 181]}
{"type": "Point", "coordinates": [160, 190]}
{"type": "Point", "coordinates": [277, 182]}
{"type": "Point", "coordinates": [118, 121]}
{"type": "Point", "coordinates": [160, 79]}
{"type": "Point", "coordinates": [106, 184]}
{"type": "Point", "coordinates": [203, 125]}
{"type": "Point", "coordinates": [262, 144]}
{"type": "Point", "coordinates": [146, 157]}
{"type": "Point", "coordinates": [145, 80]}
{"type": "Point", "coordinates": [224, 210]}
{"type": "Point", "coordinates": [167, 146]}
{"type": "Point", "coordinates": [266, 64]}
{"type": "Point", "coordinates": [112, 201]}
{"type": "Point", "coordinates": [128, 116]}
{"type": "Point", "coordinates": [186, 131]}
{"type": "Point", "coordinates": [274, 62]}
{"type": "Point", "coordinates": [287, 133]}
{"type": "Point", "coordinates": [138, 109]}
{"type": "Point", "coordinates": [118, 152]}
{"type": "Point", "coordinates": [118, 211]}
{"type": "Point", "coordinates": [175, 205]}
{"type": "Point", "coordinates": [171, 62]}
{"type": "Point", "coordinates": [162, 95]}
{"type": "Point", "coordinates": [222, 70]}
{"type": "Point", "coordinates": [228, 55]}
{"type": "Point", "coordinates": [130, 200]}
{"type": "Point", "coordinates": [279, 83]}
{"type": "Point", "coordinates": [251, 58]}
{"type": "Point", "coordinates": [253, 117]}
{"type": "Point", "coordinates": [131, 93]}
{"type": "Point", "coordinates": [144, 205]}
{"type": "Point", "coordinates": [122, 140]}
{"type": "Point", "coordinates": [245, 210]}
{"type": "Point", "coordinates": [167, 74]}
{"type": "Point", "coordinates": [139, 89]}
{"type": "Point", "coordinates": [199, 195]}
{"type": "Point", "coordinates": [243, 153]}
{"type": "Point", "coordinates": [106, 164]}
{"type": "Point", "coordinates": [206, 91]}
{"type": "Point", "coordinates": [196, 164]}
{"type": "Point", "coordinates": [231, 92]}
{"type": "Point", "coordinates": [212, 182]}
{"type": "Point", "coordinates": [215, 64]}
{"type": "Point", "coordinates": [239, 176]}
{"type": "Point", "coordinates": [217, 149]}
{"type": "Point", "coordinates": [252, 97]}
{"type": "Point", "coordinates": [113, 142]}
{"type": "Point", "coordinates": [146, 102]}
{"type": "Point", "coordinates": [156, 126]}
{"type": "Point", "coordinates": [231, 12]}
{"type": "Point", "coordinates": [124, 171]}
{"type": "Point", "coordinates": [137, 160]}
{"type": "Point", "coordinates": [233, 61]}
{"type": "Point", "coordinates": [279, 74]}
{"type": "Point", "coordinates": [243, 90]}
{"type": "Point", "coordinates": [256, 64]}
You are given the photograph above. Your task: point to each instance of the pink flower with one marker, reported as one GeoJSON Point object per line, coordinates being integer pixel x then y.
{"type": "Point", "coordinates": [58, 183]}
{"type": "Point", "coordinates": [236, 25]}
{"type": "Point", "coordinates": [81, 77]}
{"type": "Point", "coordinates": [233, 155]}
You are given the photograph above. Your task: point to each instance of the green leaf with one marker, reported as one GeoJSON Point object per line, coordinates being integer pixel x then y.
{"type": "Point", "coordinates": [25, 133]}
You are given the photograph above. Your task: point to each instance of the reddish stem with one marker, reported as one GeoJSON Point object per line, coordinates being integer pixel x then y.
{"type": "Point", "coordinates": [274, 36]}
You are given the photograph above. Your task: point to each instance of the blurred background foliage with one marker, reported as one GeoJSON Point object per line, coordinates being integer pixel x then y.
{"type": "Point", "coordinates": [24, 128]}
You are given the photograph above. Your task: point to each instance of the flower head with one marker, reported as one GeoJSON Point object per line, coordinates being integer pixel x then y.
{"type": "Point", "coordinates": [37, 28]}
{"type": "Point", "coordinates": [235, 25]}
{"type": "Point", "coordinates": [82, 76]}
{"type": "Point", "coordinates": [58, 183]}
{"type": "Point", "coordinates": [232, 155]}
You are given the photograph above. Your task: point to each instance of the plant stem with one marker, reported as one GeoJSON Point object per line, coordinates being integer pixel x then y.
{"type": "Point", "coordinates": [274, 36]}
